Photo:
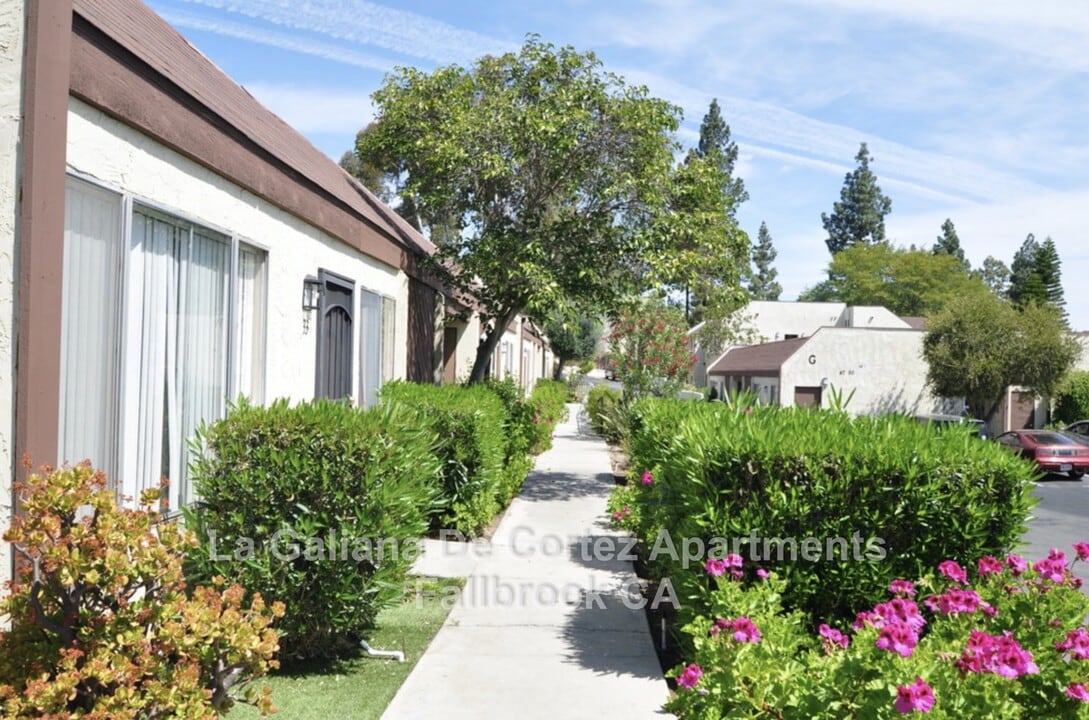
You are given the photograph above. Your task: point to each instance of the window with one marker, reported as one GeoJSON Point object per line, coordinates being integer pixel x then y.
{"type": "Point", "coordinates": [158, 344]}
{"type": "Point", "coordinates": [508, 359]}
{"type": "Point", "coordinates": [376, 338]}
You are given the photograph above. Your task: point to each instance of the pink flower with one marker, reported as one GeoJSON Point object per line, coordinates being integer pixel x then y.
{"type": "Point", "coordinates": [1016, 563]}
{"type": "Point", "coordinates": [1077, 691]}
{"type": "Point", "coordinates": [733, 560]}
{"type": "Point", "coordinates": [762, 573]}
{"type": "Point", "coordinates": [690, 676]}
{"type": "Point", "coordinates": [648, 478]}
{"type": "Point", "coordinates": [955, 602]}
{"type": "Point", "coordinates": [989, 566]}
{"type": "Point", "coordinates": [627, 510]}
{"type": "Point", "coordinates": [918, 696]}
{"type": "Point", "coordinates": [617, 515]}
{"type": "Point", "coordinates": [1076, 643]}
{"type": "Point", "coordinates": [833, 638]}
{"type": "Point", "coordinates": [714, 567]}
{"type": "Point", "coordinates": [1053, 567]}
{"type": "Point", "coordinates": [898, 637]}
{"type": "Point", "coordinates": [743, 629]}
{"type": "Point", "coordinates": [902, 587]}
{"type": "Point", "coordinates": [1082, 549]}
{"type": "Point", "coordinates": [997, 654]}
{"type": "Point", "coordinates": [900, 610]}
{"type": "Point", "coordinates": [952, 570]}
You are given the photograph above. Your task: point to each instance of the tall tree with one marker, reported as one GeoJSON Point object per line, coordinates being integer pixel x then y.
{"type": "Point", "coordinates": [572, 337]}
{"type": "Point", "coordinates": [550, 168]}
{"type": "Point", "coordinates": [978, 346]}
{"type": "Point", "coordinates": [1021, 270]}
{"type": "Point", "coordinates": [859, 215]}
{"type": "Point", "coordinates": [715, 144]}
{"type": "Point", "coordinates": [907, 282]}
{"type": "Point", "coordinates": [1048, 267]}
{"type": "Point", "coordinates": [949, 244]}
{"type": "Point", "coordinates": [762, 282]}
{"type": "Point", "coordinates": [995, 274]}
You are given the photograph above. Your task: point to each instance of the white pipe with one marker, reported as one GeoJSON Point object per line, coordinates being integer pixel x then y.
{"type": "Point", "coordinates": [397, 654]}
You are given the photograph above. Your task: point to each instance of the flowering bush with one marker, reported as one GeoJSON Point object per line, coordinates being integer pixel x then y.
{"type": "Point", "coordinates": [102, 624]}
{"type": "Point", "coordinates": [651, 350]}
{"type": "Point", "coordinates": [1010, 643]}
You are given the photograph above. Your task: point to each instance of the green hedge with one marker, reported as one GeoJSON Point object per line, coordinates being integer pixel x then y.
{"type": "Point", "coordinates": [1072, 398]}
{"type": "Point", "coordinates": [547, 406]}
{"type": "Point", "coordinates": [320, 506]}
{"type": "Point", "coordinates": [481, 449]}
{"type": "Point", "coordinates": [900, 494]}
{"type": "Point", "coordinates": [604, 407]}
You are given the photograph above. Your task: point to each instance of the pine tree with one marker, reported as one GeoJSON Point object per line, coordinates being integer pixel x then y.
{"type": "Point", "coordinates": [762, 283]}
{"type": "Point", "coordinates": [949, 244]}
{"type": "Point", "coordinates": [859, 216]}
{"type": "Point", "coordinates": [1021, 269]}
{"type": "Point", "coordinates": [1048, 267]}
{"type": "Point", "coordinates": [715, 141]}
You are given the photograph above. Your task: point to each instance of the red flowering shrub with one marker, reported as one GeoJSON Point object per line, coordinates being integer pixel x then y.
{"type": "Point", "coordinates": [651, 350]}
{"type": "Point", "coordinates": [102, 624]}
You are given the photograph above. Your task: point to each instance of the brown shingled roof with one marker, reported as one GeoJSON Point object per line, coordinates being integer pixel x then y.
{"type": "Point", "coordinates": [139, 30]}
{"type": "Point", "coordinates": [765, 359]}
{"type": "Point", "coordinates": [915, 323]}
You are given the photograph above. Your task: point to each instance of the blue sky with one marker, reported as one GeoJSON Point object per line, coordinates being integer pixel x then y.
{"type": "Point", "coordinates": [973, 110]}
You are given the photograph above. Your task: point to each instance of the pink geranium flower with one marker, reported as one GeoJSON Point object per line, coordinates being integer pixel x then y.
{"type": "Point", "coordinates": [833, 639]}
{"type": "Point", "coordinates": [898, 637]}
{"type": "Point", "coordinates": [648, 477]}
{"type": "Point", "coordinates": [952, 570]}
{"type": "Point", "coordinates": [690, 676]}
{"type": "Point", "coordinates": [918, 696]}
{"type": "Point", "coordinates": [989, 566]}
{"type": "Point", "coordinates": [1077, 691]}
{"type": "Point", "coordinates": [1082, 549]}
{"type": "Point", "coordinates": [902, 587]}
{"type": "Point", "coordinates": [743, 629]}
{"type": "Point", "coordinates": [1016, 563]}
{"type": "Point", "coordinates": [714, 567]}
{"type": "Point", "coordinates": [1076, 643]}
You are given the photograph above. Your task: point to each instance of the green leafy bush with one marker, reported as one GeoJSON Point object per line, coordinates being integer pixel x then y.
{"type": "Point", "coordinates": [604, 407]}
{"type": "Point", "coordinates": [482, 450]}
{"type": "Point", "coordinates": [1072, 398]}
{"type": "Point", "coordinates": [102, 624]}
{"type": "Point", "coordinates": [318, 505]}
{"type": "Point", "coordinates": [548, 405]}
{"type": "Point", "coordinates": [1011, 642]}
{"type": "Point", "coordinates": [585, 366]}
{"type": "Point", "coordinates": [839, 506]}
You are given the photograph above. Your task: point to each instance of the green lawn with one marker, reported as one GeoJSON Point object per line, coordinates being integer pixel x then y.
{"type": "Point", "coordinates": [361, 688]}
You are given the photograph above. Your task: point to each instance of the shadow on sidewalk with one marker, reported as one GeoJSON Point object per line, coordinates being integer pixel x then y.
{"type": "Point", "coordinates": [608, 635]}
{"type": "Point", "coordinates": [549, 485]}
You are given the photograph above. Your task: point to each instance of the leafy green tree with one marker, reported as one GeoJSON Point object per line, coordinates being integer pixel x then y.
{"type": "Point", "coordinates": [859, 215]}
{"type": "Point", "coordinates": [550, 169]}
{"type": "Point", "coordinates": [572, 338]}
{"type": "Point", "coordinates": [376, 174]}
{"type": "Point", "coordinates": [949, 244]}
{"type": "Point", "coordinates": [979, 345]}
{"type": "Point", "coordinates": [1072, 397]}
{"type": "Point", "coordinates": [762, 282]}
{"type": "Point", "coordinates": [907, 282]}
{"type": "Point", "coordinates": [995, 274]}
{"type": "Point", "coordinates": [650, 349]}
{"type": "Point", "coordinates": [715, 144]}
{"type": "Point", "coordinates": [1021, 270]}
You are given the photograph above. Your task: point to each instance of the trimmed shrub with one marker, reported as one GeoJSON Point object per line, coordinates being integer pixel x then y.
{"type": "Point", "coordinates": [318, 505]}
{"type": "Point", "coordinates": [548, 405]}
{"type": "Point", "coordinates": [839, 506]}
{"type": "Point", "coordinates": [101, 622]}
{"type": "Point", "coordinates": [1072, 398]}
{"type": "Point", "coordinates": [481, 451]}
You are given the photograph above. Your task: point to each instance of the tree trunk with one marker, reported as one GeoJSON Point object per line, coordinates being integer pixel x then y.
{"type": "Point", "coordinates": [557, 374]}
{"type": "Point", "coordinates": [486, 348]}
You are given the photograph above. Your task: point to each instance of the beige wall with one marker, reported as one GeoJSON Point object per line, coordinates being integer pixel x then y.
{"type": "Point", "coordinates": [884, 368]}
{"type": "Point", "coordinates": [12, 27]}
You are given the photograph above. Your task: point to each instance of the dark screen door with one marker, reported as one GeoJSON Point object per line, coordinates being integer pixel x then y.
{"type": "Point", "coordinates": [334, 368]}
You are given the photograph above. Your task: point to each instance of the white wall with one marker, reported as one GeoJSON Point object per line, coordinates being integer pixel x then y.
{"type": "Point", "coordinates": [1082, 363]}
{"type": "Point", "coordinates": [884, 368]}
{"type": "Point", "coordinates": [772, 320]}
{"type": "Point", "coordinates": [126, 160]}
{"type": "Point", "coordinates": [872, 316]}
{"type": "Point", "coordinates": [468, 342]}
{"type": "Point", "coordinates": [12, 25]}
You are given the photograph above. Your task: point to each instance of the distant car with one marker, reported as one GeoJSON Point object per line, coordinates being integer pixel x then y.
{"type": "Point", "coordinates": [1054, 452]}
{"type": "Point", "coordinates": [977, 426]}
{"type": "Point", "coordinates": [1080, 430]}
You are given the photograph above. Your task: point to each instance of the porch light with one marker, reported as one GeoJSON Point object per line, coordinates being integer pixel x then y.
{"type": "Point", "coordinates": [311, 293]}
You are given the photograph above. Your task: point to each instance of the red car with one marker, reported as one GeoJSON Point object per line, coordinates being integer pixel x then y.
{"type": "Point", "coordinates": [1052, 451]}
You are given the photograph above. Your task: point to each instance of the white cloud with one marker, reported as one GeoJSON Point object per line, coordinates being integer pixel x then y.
{"type": "Point", "coordinates": [367, 23]}
{"type": "Point", "coordinates": [315, 110]}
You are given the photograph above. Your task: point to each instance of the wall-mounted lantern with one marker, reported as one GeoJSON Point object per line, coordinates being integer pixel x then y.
{"type": "Point", "coordinates": [311, 298]}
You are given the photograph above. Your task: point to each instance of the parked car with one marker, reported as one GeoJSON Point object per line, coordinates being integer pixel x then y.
{"type": "Point", "coordinates": [977, 426]}
{"type": "Point", "coordinates": [1080, 430]}
{"type": "Point", "coordinates": [1054, 452]}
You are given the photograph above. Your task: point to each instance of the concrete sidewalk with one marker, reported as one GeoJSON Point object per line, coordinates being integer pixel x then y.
{"type": "Point", "coordinates": [548, 625]}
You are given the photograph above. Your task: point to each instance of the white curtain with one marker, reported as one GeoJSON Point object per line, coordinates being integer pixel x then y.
{"type": "Point", "coordinates": [370, 352]}
{"type": "Point", "coordinates": [90, 327]}
{"type": "Point", "coordinates": [389, 323]}
{"type": "Point", "coordinates": [249, 327]}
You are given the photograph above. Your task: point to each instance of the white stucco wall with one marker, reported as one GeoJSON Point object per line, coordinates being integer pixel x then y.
{"type": "Point", "coordinates": [884, 368]}
{"type": "Point", "coordinates": [125, 160]}
{"type": "Point", "coordinates": [773, 321]}
{"type": "Point", "coordinates": [1082, 363]}
{"type": "Point", "coordinates": [12, 27]}
{"type": "Point", "coordinates": [468, 342]}
{"type": "Point", "coordinates": [872, 316]}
